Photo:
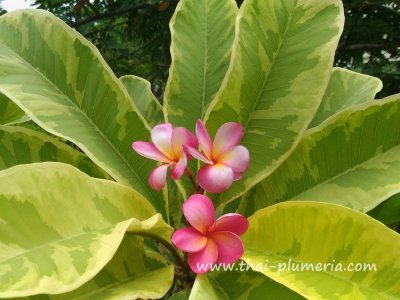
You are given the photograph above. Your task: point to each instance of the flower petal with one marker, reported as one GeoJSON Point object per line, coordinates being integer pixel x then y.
{"type": "Point", "coordinates": [236, 158]}
{"type": "Point", "coordinates": [235, 223]}
{"type": "Point", "coordinates": [149, 150]}
{"type": "Point", "coordinates": [202, 261]}
{"type": "Point", "coordinates": [228, 135]}
{"type": "Point", "coordinates": [237, 176]}
{"type": "Point", "coordinates": [204, 138]}
{"type": "Point", "coordinates": [199, 212]}
{"type": "Point", "coordinates": [181, 136]}
{"type": "Point", "coordinates": [196, 154]}
{"type": "Point", "coordinates": [189, 240]}
{"type": "Point", "coordinates": [179, 168]}
{"type": "Point", "coordinates": [230, 246]}
{"type": "Point", "coordinates": [216, 178]}
{"type": "Point", "coordinates": [161, 135]}
{"type": "Point", "coordinates": [158, 177]}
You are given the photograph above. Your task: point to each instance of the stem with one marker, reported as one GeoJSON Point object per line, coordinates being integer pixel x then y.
{"type": "Point", "coordinates": [197, 189]}
{"type": "Point", "coordinates": [190, 176]}
{"type": "Point", "coordinates": [110, 14]}
{"type": "Point", "coordinates": [178, 258]}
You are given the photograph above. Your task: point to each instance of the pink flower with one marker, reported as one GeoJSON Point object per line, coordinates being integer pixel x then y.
{"type": "Point", "coordinates": [167, 147]}
{"type": "Point", "coordinates": [208, 241]}
{"type": "Point", "coordinates": [225, 159]}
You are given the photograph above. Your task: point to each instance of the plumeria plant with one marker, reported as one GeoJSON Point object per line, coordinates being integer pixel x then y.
{"type": "Point", "coordinates": [265, 174]}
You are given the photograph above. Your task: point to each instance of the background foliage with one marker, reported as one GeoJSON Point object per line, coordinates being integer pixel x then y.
{"type": "Point", "coordinates": [134, 38]}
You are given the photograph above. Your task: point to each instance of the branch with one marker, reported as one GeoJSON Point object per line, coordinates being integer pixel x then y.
{"type": "Point", "coordinates": [110, 14]}
{"type": "Point", "coordinates": [352, 27]}
{"type": "Point", "coordinates": [366, 46]}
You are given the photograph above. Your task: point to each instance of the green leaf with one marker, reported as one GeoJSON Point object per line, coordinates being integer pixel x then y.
{"type": "Point", "coordinates": [280, 67]}
{"type": "Point", "coordinates": [353, 159]}
{"type": "Point", "coordinates": [140, 91]}
{"type": "Point", "coordinates": [139, 276]}
{"type": "Point", "coordinates": [239, 284]}
{"type": "Point", "coordinates": [9, 112]}
{"type": "Point", "coordinates": [387, 212]}
{"type": "Point", "coordinates": [74, 228]}
{"type": "Point", "coordinates": [202, 35]}
{"type": "Point", "coordinates": [346, 89]}
{"type": "Point", "coordinates": [63, 84]}
{"type": "Point", "coordinates": [20, 145]}
{"type": "Point", "coordinates": [312, 233]}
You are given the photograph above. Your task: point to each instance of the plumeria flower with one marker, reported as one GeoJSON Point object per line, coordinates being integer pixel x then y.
{"type": "Point", "coordinates": [208, 241]}
{"type": "Point", "coordinates": [166, 148]}
{"type": "Point", "coordinates": [225, 159]}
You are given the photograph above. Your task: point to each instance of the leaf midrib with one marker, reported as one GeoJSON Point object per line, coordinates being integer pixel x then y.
{"type": "Point", "coordinates": [253, 108]}
{"type": "Point", "coordinates": [205, 57]}
{"type": "Point", "coordinates": [93, 125]}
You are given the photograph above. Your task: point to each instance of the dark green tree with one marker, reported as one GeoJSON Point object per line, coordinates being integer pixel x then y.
{"type": "Point", "coordinates": [370, 42]}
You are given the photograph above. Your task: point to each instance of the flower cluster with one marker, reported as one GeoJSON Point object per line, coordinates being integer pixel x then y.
{"type": "Point", "coordinates": [167, 148]}
{"type": "Point", "coordinates": [207, 241]}
{"type": "Point", "coordinates": [225, 160]}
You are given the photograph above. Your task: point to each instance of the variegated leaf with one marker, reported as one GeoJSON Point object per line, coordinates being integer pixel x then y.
{"type": "Point", "coordinates": [9, 112]}
{"type": "Point", "coordinates": [239, 284]}
{"type": "Point", "coordinates": [345, 89]}
{"type": "Point", "coordinates": [60, 80]}
{"type": "Point", "coordinates": [60, 227]}
{"type": "Point", "coordinates": [202, 35]}
{"type": "Point", "coordinates": [280, 68]}
{"type": "Point", "coordinates": [20, 145]}
{"type": "Point", "coordinates": [353, 159]}
{"type": "Point", "coordinates": [324, 251]}
{"type": "Point", "coordinates": [143, 275]}
{"type": "Point", "coordinates": [140, 92]}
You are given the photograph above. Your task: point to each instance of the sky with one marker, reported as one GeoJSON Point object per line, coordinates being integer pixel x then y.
{"type": "Point", "coordinates": [10, 5]}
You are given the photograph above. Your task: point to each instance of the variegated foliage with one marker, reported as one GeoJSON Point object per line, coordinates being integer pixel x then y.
{"type": "Point", "coordinates": [351, 159]}
{"type": "Point", "coordinates": [9, 112]}
{"type": "Point", "coordinates": [142, 276]}
{"type": "Point", "coordinates": [60, 80]}
{"type": "Point", "coordinates": [281, 64]}
{"type": "Point", "coordinates": [72, 225]}
{"type": "Point", "coordinates": [202, 35]}
{"type": "Point", "coordinates": [240, 283]}
{"type": "Point", "coordinates": [20, 145]}
{"type": "Point", "coordinates": [304, 233]}
{"type": "Point", "coordinates": [345, 89]}
{"type": "Point", "coordinates": [313, 133]}
{"type": "Point", "coordinates": [140, 91]}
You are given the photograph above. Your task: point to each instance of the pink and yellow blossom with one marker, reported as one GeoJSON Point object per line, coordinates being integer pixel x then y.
{"type": "Point", "coordinates": [166, 147]}
{"type": "Point", "coordinates": [209, 241]}
{"type": "Point", "coordinates": [225, 159]}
